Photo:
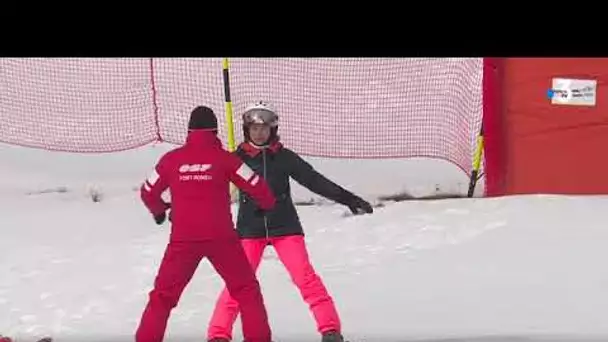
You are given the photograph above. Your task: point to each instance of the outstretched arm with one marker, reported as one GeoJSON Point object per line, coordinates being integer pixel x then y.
{"type": "Point", "coordinates": [307, 176]}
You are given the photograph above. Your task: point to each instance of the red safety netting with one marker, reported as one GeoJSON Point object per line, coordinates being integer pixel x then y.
{"type": "Point", "coordinates": [79, 105]}
{"type": "Point", "coordinates": [328, 107]}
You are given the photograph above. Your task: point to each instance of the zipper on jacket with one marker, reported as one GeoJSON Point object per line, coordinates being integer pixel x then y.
{"type": "Point", "coordinates": [265, 178]}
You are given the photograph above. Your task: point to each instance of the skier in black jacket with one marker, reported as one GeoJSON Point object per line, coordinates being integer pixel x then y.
{"type": "Point", "coordinates": [281, 227]}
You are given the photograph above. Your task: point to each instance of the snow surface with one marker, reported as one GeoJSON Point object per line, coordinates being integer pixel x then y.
{"type": "Point", "coordinates": [513, 269]}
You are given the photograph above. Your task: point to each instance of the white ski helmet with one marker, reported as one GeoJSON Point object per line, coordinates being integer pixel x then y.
{"type": "Point", "coordinates": [261, 113]}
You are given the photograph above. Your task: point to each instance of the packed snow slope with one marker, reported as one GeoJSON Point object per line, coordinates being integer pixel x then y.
{"type": "Point", "coordinates": [522, 268]}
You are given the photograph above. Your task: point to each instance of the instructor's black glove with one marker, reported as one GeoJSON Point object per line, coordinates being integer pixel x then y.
{"type": "Point", "coordinates": [358, 206]}
{"type": "Point", "coordinates": [160, 218]}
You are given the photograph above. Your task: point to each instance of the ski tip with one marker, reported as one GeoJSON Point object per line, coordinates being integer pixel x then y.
{"type": "Point", "coordinates": [8, 339]}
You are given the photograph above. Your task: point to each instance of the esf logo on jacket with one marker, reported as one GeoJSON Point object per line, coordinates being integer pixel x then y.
{"type": "Point", "coordinates": [194, 168]}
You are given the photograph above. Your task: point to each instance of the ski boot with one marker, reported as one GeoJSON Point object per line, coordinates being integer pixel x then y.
{"type": "Point", "coordinates": [332, 336]}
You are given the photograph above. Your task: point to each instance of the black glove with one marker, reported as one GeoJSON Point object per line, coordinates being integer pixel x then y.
{"type": "Point", "coordinates": [358, 206]}
{"type": "Point", "coordinates": [160, 218]}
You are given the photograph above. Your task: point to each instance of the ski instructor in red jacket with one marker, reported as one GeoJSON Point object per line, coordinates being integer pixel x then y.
{"type": "Point", "coordinates": [198, 176]}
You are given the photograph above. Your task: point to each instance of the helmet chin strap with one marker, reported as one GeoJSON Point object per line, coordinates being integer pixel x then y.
{"type": "Point", "coordinates": [264, 145]}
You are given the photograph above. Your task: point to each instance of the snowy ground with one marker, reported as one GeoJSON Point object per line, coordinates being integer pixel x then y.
{"type": "Point", "coordinates": [482, 270]}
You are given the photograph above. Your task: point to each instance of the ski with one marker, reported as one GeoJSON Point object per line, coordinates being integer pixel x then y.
{"type": "Point", "coordinates": [8, 339]}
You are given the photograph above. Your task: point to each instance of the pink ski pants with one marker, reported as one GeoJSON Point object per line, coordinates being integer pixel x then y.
{"type": "Point", "coordinates": [292, 252]}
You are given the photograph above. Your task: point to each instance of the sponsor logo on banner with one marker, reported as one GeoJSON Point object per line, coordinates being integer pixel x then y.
{"type": "Point", "coordinates": [573, 92]}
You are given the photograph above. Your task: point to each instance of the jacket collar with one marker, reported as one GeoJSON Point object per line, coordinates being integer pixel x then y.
{"type": "Point", "coordinates": [253, 150]}
{"type": "Point", "coordinates": [202, 138]}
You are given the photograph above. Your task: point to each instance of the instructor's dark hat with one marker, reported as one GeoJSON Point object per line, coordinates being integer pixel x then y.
{"type": "Point", "coordinates": [202, 117]}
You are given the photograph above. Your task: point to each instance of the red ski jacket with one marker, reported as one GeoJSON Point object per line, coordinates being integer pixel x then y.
{"type": "Point", "coordinates": [198, 176]}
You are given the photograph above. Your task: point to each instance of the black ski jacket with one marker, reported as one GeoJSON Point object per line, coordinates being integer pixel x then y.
{"type": "Point", "coordinates": [277, 164]}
